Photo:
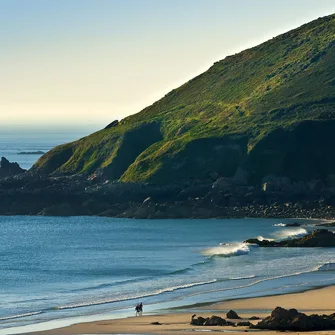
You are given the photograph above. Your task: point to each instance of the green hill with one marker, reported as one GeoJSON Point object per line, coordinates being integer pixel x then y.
{"type": "Point", "coordinates": [267, 110]}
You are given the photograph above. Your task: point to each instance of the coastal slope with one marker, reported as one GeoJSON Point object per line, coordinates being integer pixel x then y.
{"type": "Point", "coordinates": [269, 110]}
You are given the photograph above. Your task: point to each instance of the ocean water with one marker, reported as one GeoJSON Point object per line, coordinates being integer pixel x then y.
{"type": "Point", "coordinates": [15, 140]}
{"type": "Point", "coordinates": [57, 271]}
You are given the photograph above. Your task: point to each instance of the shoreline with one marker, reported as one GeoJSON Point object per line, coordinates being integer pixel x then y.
{"type": "Point", "coordinates": [317, 300]}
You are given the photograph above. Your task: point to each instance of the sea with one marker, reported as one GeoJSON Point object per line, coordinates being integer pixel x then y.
{"type": "Point", "coordinates": [22, 144]}
{"type": "Point", "coordinates": [56, 271]}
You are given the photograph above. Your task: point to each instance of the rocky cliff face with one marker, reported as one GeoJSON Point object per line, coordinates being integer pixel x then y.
{"type": "Point", "coordinates": [301, 151]}
{"type": "Point", "coordinates": [269, 110]}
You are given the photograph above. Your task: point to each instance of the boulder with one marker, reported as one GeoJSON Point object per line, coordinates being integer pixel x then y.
{"type": "Point", "coordinates": [283, 319]}
{"type": "Point", "coordinates": [199, 321]}
{"type": "Point", "coordinates": [232, 315]}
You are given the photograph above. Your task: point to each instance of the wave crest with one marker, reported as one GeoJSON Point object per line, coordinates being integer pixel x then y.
{"type": "Point", "coordinates": [291, 233]}
{"type": "Point", "coordinates": [18, 316]}
{"type": "Point", "coordinates": [160, 291]}
{"type": "Point", "coordinates": [262, 238]}
{"type": "Point", "coordinates": [280, 224]}
{"type": "Point", "coordinates": [227, 250]}
{"type": "Point", "coordinates": [326, 267]}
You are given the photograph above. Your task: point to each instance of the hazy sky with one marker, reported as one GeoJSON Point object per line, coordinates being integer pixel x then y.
{"type": "Point", "coordinates": [93, 61]}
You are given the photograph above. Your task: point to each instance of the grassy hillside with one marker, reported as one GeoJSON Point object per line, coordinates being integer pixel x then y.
{"type": "Point", "coordinates": [215, 123]}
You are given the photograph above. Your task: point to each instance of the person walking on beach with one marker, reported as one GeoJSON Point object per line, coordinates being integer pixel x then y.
{"type": "Point", "coordinates": [139, 309]}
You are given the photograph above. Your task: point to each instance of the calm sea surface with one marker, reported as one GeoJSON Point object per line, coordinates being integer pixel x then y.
{"type": "Point", "coordinates": [22, 140]}
{"type": "Point", "coordinates": [57, 271]}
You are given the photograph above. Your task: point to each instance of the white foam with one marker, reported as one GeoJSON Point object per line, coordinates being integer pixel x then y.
{"type": "Point", "coordinates": [253, 283]}
{"type": "Point", "coordinates": [291, 233]}
{"type": "Point", "coordinates": [228, 250]}
{"type": "Point", "coordinates": [280, 224]}
{"type": "Point", "coordinates": [163, 290]}
{"type": "Point", "coordinates": [326, 267]}
{"type": "Point", "coordinates": [262, 238]}
{"type": "Point", "coordinates": [19, 316]}
{"type": "Point", "coordinates": [240, 278]}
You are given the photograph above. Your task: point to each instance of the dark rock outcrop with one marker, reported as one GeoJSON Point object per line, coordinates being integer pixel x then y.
{"type": "Point", "coordinates": [282, 319]}
{"type": "Point", "coordinates": [31, 193]}
{"type": "Point", "coordinates": [212, 321]}
{"type": "Point", "coordinates": [112, 124]}
{"type": "Point", "coordinates": [293, 153]}
{"type": "Point", "coordinates": [328, 224]}
{"type": "Point", "coordinates": [232, 315]}
{"type": "Point", "coordinates": [318, 238]}
{"type": "Point", "coordinates": [294, 224]}
{"type": "Point", "coordinates": [58, 210]}
{"type": "Point", "coordinates": [8, 169]}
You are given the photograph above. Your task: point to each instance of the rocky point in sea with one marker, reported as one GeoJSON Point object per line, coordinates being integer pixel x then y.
{"type": "Point", "coordinates": [318, 238]}
{"type": "Point", "coordinates": [8, 169]}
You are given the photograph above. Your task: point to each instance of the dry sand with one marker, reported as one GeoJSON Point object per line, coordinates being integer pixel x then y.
{"type": "Point", "coordinates": [315, 301]}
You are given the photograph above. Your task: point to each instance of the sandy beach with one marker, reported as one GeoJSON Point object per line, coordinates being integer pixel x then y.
{"type": "Point", "coordinates": [321, 301]}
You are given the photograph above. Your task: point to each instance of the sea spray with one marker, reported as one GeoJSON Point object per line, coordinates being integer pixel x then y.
{"type": "Point", "coordinates": [228, 250]}
{"type": "Point", "coordinates": [280, 224]}
{"type": "Point", "coordinates": [290, 233]}
{"type": "Point", "coordinates": [262, 238]}
{"type": "Point", "coordinates": [326, 267]}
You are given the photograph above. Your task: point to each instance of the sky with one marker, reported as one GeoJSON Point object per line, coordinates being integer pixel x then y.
{"type": "Point", "coordinates": [89, 62]}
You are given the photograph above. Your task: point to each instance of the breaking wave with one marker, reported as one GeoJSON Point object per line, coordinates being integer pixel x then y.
{"type": "Point", "coordinates": [262, 238]}
{"type": "Point", "coordinates": [19, 316]}
{"type": "Point", "coordinates": [160, 291]}
{"type": "Point", "coordinates": [326, 267]}
{"type": "Point", "coordinates": [291, 233]}
{"type": "Point", "coordinates": [228, 250]}
{"type": "Point", "coordinates": [241, 278]}
{"type": "Point", "coordinates": [258, 281]}
{"type": "Point", "coordinates": [280, 224]}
